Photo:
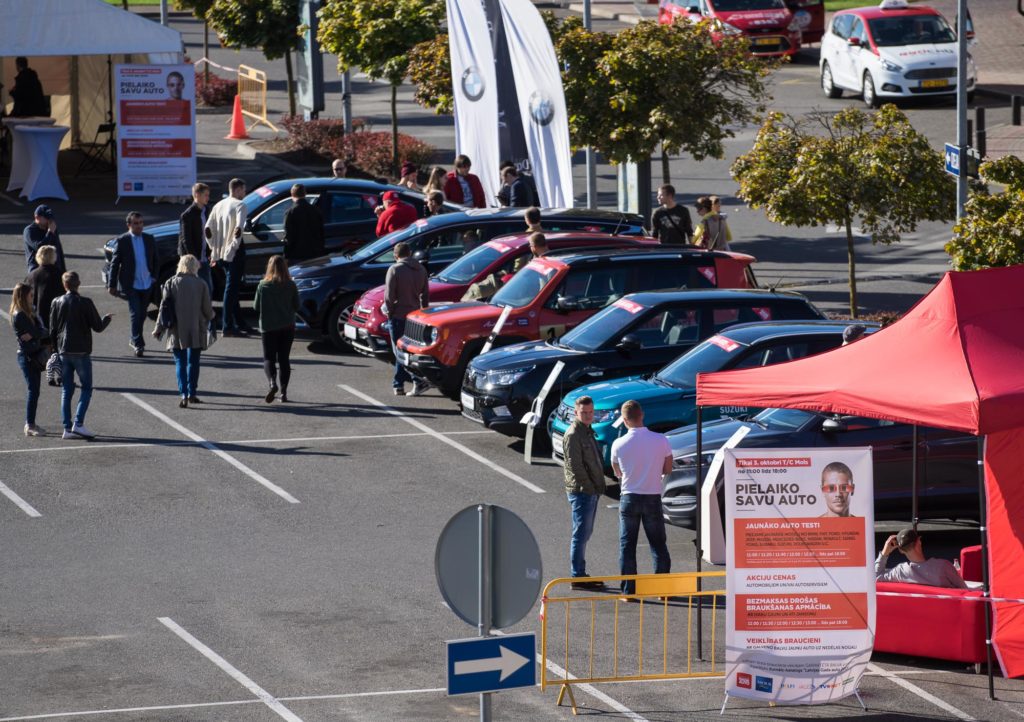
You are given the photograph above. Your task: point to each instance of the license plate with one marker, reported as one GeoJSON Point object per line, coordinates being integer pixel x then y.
{"type": "Point", "coordinates": [468, 402]}
{"type": "Point", "coordinates": [350, 332]}
{"type": "Point", "coordinates": [766, 41]}
{"type": "Point", "coordinates": [402, 357]}
{"type": "Point", "coordinates": [556, 440]}
{"type": "Point", "coordinates": [938, 83]}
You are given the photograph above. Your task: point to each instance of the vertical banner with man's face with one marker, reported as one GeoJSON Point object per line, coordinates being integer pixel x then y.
{"type": "Point", "coordinates": [156, 137]}
{"type": "Point", "coordinates": [800, 573]}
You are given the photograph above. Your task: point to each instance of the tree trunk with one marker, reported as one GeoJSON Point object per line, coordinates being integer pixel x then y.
{"type": "Point", "coordinates": [853, 268]}
{"type": "Point", "coordinates": [291, 82]}
{"type": "Point", "coordinates": [666, 177]}
{"type": "Point", "coordinates": [394, 130]}
{"type": "Point", "coordinates": [206, 53]}
{"type": "Point", "coordinates": [124, 3]}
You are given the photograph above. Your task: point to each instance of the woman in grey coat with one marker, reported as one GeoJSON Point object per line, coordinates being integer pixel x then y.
{"type": "Point", "coordinates": [189, 297]}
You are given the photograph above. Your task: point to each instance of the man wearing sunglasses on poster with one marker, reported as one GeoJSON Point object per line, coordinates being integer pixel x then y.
{"type": "Point", "coordinates": [836, 489]}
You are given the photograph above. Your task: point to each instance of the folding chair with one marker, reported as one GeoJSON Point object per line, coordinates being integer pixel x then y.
{"type": "Point", "coordinates": [96, 152]}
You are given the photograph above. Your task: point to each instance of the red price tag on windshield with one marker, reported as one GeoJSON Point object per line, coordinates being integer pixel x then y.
{"type": "Point", "coordinates": [631, 306]}
{"type": "Point", "coordinates": [726, 344]}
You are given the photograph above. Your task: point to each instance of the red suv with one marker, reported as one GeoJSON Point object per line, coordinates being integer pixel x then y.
{"type": "Point", "coordinates": [774, 27]}
{"type": "Point", "coordinates": [550, 296]}
{"type": "Point", "coordinates": [363, 328]}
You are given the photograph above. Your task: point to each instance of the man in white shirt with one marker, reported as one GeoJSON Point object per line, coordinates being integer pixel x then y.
{"type": "Point", "coordinates": [640, 459]}
{"type": "Point", "coordinates": [227, 248]}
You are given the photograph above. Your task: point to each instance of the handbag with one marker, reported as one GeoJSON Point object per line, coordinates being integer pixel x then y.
{"type": "Point", "coordinates": [613, 491]}
{"type": "Point", "coordinates": [166, 317]}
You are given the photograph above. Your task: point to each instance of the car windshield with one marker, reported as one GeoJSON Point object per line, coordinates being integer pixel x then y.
{"type": "Point", "coordinates": [385, 242]}
{"type": "Point", "coordinates": [599, 329]}
{"type": "Point", "coordinates": [523, 287]}
{"type": "Point", "coordinates": [783, 419]}
{"type": "Point", "coordinates": [731, 6]}
{"type": "Point", "coordinates": [467, 268]}
{"type": "Point", "coordinates": [911, 30]}
{"type": "Point", "coordinates": [703, 359]}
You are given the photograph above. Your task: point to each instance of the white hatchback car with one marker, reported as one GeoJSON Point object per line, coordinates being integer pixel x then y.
{"type": "Point", "coordinates": [891, 51]}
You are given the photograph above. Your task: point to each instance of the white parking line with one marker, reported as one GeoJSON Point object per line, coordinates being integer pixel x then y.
{"type": "Point", "coordinates": [239, 442]}
{"type": "Point", "coordinates": [213, 447]}
{"type": "Point", "coordinates": [18, 501]}
{"type": "Point", "coordinates": [265, 696]}
{"type": "Point", "coordinates": [441, 437]}
{"type": "Point", "coordinates": [927, 696]}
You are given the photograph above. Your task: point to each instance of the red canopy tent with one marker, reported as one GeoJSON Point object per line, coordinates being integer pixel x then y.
{"type": "Point", "coordinates": [955, 361]}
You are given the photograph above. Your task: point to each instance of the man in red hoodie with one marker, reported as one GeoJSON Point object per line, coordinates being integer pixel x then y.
{"type": "Point", "coordinates": [461, 186]}
{"type": "Point", "coordinates": [394, 215]}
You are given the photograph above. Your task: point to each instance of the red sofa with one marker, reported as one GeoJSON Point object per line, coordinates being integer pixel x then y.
{"type": "Point", "coordinates": [952, 629]}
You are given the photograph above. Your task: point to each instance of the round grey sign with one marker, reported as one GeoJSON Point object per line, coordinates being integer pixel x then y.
{"type": "Point", "coordinates": [516, 574]}
{"type": "Point", "coordinates": [542, 109]}
{"type": "Point", "coordinates": [472, 84]}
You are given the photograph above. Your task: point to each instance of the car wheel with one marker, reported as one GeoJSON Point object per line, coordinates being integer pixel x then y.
{"type": "Point", "coordinates": [827, 86]}
{"type": "Point", "coordinates": [334, 331]}
{"type": "Point", "coordinates": [870, 99]}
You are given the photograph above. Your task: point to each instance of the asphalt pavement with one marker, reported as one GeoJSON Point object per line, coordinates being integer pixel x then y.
{"type": "Point", "coordinates": [244, 561]}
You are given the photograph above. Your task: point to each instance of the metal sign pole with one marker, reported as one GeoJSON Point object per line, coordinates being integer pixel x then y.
{"type": "Point", "coordinates": [962, 140]}
{"type": "Point", "coordinates": [591, 156]}
{"type": "Point", "coordinates": [484, 592]}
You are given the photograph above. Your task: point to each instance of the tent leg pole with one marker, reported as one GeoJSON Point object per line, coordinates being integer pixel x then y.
{"type": "Point", "coordinates": [696, 541]}
{"type": "Point", "coordinates": [983, 513]}
{"type": "Point", "coordinates": [914, 516]}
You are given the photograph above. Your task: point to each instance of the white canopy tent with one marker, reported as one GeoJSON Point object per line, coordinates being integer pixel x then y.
{"type": "Point", "coordinates": [72, 44]}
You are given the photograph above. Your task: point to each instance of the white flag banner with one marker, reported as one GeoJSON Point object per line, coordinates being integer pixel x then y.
{"type": "Point", "coordinates": [475, 88]}
{"type": "Point", "coordinates": [541, 101]}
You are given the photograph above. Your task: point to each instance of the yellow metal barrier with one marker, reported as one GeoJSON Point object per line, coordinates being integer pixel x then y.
{"type": "Point", "coordinates": [602, 620]}
{"type": "Point", "coordinates": [252, 89]}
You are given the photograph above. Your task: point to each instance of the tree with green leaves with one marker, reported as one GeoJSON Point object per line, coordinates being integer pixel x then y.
{"type": "Point", "coordinates": [430, 70]}
{"type": "Point", "coordinates": [270, 25]}
{"type": "Point", "coordinates": [871, 168]}
{"type": "Point", "coordinates": [991, 230]}
{"type": "Point", "coordinates": [199, 9]}
{"type": "Point", "coordinates": [377, 36]}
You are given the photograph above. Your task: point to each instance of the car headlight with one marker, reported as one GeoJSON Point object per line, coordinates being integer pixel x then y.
{"type": "Point", "coordinates": [307, 283]}
{"type": "Point", "coordinates": [891, 66]}
{"type": "Point", "coordinates": [727, 29]}
{"type": "Point", "coordinates": [603, 416]}
{"type": "Point", "coordinates": [690, 461]}
{"type": "Point", "coordinates": [505, 377]}
{"type": "Point", "coordinates": [433, 334]}
{"type": "Point", "coordinates": [794, 26]}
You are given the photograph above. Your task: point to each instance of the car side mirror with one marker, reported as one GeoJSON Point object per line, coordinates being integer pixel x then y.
{"type": "Point", "coordinates": [567, 303]}
{"type": "Point", "coordinates": [247, 226]}
{"type": "Point", "coordinates": [629, 342]}
{"type": "Point", "coordinates": [833, 426]}
{"type": "Point", "coordinates": [853, 42]}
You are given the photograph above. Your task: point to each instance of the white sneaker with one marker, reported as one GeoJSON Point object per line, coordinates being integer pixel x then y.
{"type": "Point", "coordinates": [419, 388]}
{"type": "Point", "coordinates": [82, 431]}
{"type": "Point", "coordinates": [399, 390]}
{"type": "Point", "coordinates": [69, 434]}
{"type": "Point", "coordinates": [33, 430]}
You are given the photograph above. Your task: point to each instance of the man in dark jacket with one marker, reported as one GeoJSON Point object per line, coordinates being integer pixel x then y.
{"type": "Point", "coordinates": [406, 289]}
{"type": "Point", "coordinates": [303, 228]}
{"type": "Point", "coordinates": [133, 275]}
{"type": "Point", "coordinates": [27, 92]}
{"type": "Point", "coordinates": [191, 239]}
{"type": "Point", "coordinates": [42, 232]}
{"type": "Point", "coordinates": [518, 194]}
{"type": "Point", "coordinates": [584, 484]}
{"type": "Point", "coordinates": [73, 318]}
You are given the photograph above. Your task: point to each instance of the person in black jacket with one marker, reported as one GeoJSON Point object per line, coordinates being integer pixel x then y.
{"type": "Point", "coordinates": [191, 238]}
{"type": "Point", "coordinates": [303, 228]}
{"type": "Point", "coordinates": [42, 232]}
{"type": "Point", "coordinates": [32, 336]}
{"type": "Point", "coordinates": [518, 193]}
{"type": "Point", "coordinates": [133, 275]}
{"type": "Point", "coordinates": [27, 92]}
{"type": "Point", "coordinates": [73, 318]}
{"type": "Point", "coordinates": [45, 281]}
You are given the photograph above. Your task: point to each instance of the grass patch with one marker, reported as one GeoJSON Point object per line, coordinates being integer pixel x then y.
{"type": "Point", "coordinates": [833, 5]}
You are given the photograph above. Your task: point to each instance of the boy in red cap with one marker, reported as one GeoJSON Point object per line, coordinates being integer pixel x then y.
{"type": "Point", "coordinates": [394, 215]}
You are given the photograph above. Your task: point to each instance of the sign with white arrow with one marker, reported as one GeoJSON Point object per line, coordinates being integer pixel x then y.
{"type": "Point", "coordinates": [492, 664]}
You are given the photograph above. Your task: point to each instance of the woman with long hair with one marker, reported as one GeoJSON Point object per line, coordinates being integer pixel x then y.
{"type": "Point", "coordinates": [436, 180]}
{"type": "Point", "coordinates": [32, 337]}
{"type": "Point", "coordinates": [188, 325]}
{"type": "Point", "coordinates": [45, 281]}
{"type": "Point", "coordinates": [277, 301]}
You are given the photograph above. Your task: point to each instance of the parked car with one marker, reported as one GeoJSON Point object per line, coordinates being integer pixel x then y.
{"type": "Point", "coordinates": [894, 50]}
{"type": "Point", "coordinates": [669, 396]}
{"type": "Point", "coordinates": [345, 205]}
{"type": "Point", "coordinates": [553, 295]}
{"type": "Point", "coordinates": [329, 286]}
{"type": "Point", "coordinates": [772, 27]}
{"type": "Point", "coordinates": [637, 334]}
{"type": "Point", "coordinates": [948, 460]}
{"type": "Point", "coordinates": [364, 330]}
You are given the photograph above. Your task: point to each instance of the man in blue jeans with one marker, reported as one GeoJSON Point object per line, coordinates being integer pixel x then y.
{"type": "Point", "coordinates": [73, 318]}
{"type": "Point", "coordinates": [584, 484]}
{"type": "Point", "coordinates": [133, 274]}
{"type": "Point", "coordinates": [224, 235]}
{"type": "Point", "coordinates": [640, 459]}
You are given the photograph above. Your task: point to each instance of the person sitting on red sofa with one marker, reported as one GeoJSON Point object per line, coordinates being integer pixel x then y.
{"type": "Point", "coordinates": [917, 569]}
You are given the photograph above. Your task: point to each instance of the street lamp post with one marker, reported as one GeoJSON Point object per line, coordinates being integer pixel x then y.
{"type": "Point", "coordinates": [962, 139]}
{"type": "Point", "coordinates": [591, 160]}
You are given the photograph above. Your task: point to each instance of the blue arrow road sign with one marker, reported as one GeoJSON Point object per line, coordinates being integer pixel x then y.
{"type": "Point", "coordinates": [952, 159]}
{"type": "Point", "coordinates": [492, 664]}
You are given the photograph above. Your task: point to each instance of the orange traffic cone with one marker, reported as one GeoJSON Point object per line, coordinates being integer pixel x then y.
{"type": "Point", "coordinates": [238, 131]}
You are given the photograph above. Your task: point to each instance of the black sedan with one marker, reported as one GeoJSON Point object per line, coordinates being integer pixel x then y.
{"type": "Point", "coordinates": [329, 286]}
{"type": "Point", "coordinates": [637, 334]}
{"type": "Point", "coordinates": [347, 207]}
{"type": "Point", "coordinates": [947, 461]}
